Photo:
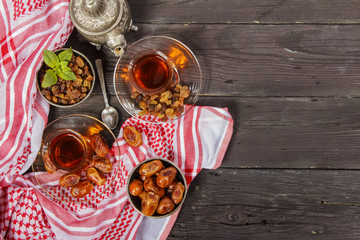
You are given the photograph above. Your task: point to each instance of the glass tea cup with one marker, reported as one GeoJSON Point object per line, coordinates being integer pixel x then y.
{"type": "Point", "coordinates": [66, 151]}
{"type": "Point", "coordinates": [150, 72]}
{"type": "Point", "coordinates": [186, 72]}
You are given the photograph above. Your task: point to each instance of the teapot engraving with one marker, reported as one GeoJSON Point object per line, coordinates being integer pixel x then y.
{"type": "Point", "coordinates": [103, 22]}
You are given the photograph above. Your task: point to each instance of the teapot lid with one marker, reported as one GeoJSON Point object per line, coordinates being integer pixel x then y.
{"type": "Point", "coordinates": [94, 17]}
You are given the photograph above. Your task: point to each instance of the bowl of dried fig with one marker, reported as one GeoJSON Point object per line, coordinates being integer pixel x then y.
{"type": "Point", "coordinates": [156, 188]}
{"type": "Point", "coordinates": [66, 77]}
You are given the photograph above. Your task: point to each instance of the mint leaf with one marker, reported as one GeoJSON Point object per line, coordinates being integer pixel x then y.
{"type": "Point", "coordinates": [61, 67]}
{"type": "Point", "coordinates": [63, 64]}
{"type": "Point", "coordinates": [50, 58]}
{"type": "Point", "coordinates": [67, 69]}
{"type": "Point", "coordinates": [58, 69]}
{"type": "Point", "coordinates": [67, 74]}
{"type": "Point", "coordinates": [66, 55]}
{"type": "Point", "coordinates": [49, 79]}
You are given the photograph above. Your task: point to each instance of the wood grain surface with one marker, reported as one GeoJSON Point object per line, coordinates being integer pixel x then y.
{"type": "Point", "coordinates": [271, 204]}
{"type": "Point", "coordinates": [263, 60]}
{"type": "Point", "coordinates": [289, 73]}
{"type": "Point", "coordinates": [245, 11]}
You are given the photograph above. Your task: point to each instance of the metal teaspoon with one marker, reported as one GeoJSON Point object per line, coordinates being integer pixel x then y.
{"type": "Point", "coordinates": [109, 115]}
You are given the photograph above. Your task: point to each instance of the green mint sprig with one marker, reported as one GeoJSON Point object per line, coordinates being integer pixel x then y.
{"type": "Point", "coordinates": [58, 67]}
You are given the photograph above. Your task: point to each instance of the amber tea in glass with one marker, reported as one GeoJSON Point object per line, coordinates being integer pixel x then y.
{"type": "Point", "coordinates": [66, 149]}
{"type": "Point", "coordinates": [150, 72]}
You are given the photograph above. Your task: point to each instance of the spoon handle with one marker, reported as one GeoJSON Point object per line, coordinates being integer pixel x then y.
{"type": "Point", "coordinates": [99, 69]}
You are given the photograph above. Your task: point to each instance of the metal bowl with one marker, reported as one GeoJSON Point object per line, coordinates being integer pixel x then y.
{"type": "Point", "coordinates": [136, 202]}
{"type": "Point", "coordinates": [88, 93]}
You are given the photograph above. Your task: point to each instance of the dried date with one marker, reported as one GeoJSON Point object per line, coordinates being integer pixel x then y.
{"type": "Point", "coordinates": [166, 177]}
{"type": "Point", "coordinates": [142, 195]}
{"type": "Point", "coordinates": [99, 144]}
{"type": "Point", "coordinates": [82, 188]}
{"type": "Point", "coordinates": [102, 164]}
{"type": "Point", "coordinates": [178, 193]}
{"type": "Point", "coordinates": [150, 186]}
{"type": "Point", "coordinates": [132, 136]}
{"type": "Point", "coordinates": [171, 188]}
{"type": "Point", "coordinates": [136, 187]}
{"type": "Point", "coordinates": [150, 168]}
{"type": "Point", "coordinates": [96, 177]}
{"type": "Point", "coordinates": [69, 180]}
{"type": "Point", "coordinates": [150, 203]}
{"type": "Point", "coordinates": [166, 205]}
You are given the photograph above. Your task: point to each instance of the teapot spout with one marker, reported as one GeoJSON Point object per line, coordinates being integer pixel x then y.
{"type": "Point", "coordinates": [117, 44]}
{"type": "Point", "coordinates": [118, 51]}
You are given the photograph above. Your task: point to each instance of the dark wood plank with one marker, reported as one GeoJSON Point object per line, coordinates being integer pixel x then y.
{"type": "Point", "coordinates": [270, 204]}
{"type": "Point", "coordinates": [245, 11]}
{"type": "Point", "coordinates": [276, 132]}
{"type": "Point", "coordinates": [293, 132]}
{"type": "Point", "coordinates": [243, 60]}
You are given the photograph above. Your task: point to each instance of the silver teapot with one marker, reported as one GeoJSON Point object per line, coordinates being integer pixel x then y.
{"type": "Point", "coordinates": [103, 21]}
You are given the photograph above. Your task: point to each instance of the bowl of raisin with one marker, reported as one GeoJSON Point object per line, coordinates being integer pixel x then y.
{"type": "Point", "coordinates": [66, 78]}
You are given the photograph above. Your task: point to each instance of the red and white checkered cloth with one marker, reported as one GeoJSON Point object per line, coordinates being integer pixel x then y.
{"type": "Point", "coordinates": [26, 28]}
{"type": "Point", "coordinates": [198, 140]}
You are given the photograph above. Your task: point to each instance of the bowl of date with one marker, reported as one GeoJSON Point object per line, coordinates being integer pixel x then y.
{"type": "Point", "coordinates": [156, 188]}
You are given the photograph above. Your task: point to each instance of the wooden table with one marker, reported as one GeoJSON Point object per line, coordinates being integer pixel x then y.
{"type": "Point", "coordinates": [289, 72]}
